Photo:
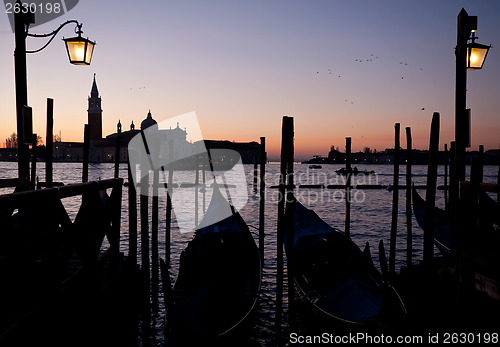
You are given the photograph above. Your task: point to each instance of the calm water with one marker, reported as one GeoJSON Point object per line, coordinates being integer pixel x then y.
{"type": "Point", "coordinates": [370, 220]}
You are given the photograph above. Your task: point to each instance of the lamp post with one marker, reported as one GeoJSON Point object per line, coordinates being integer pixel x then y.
{"type": "Point", "coordinates": [468, 57]}
{"type": "Point", "coordinates": [80, 53]}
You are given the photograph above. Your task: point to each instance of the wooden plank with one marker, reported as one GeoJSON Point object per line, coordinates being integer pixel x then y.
{"type": "Point", "coordinates": [9, 182]}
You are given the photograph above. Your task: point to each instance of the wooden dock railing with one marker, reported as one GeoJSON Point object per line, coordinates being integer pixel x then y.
{"type": "Point", "coordinates": [43, 252]}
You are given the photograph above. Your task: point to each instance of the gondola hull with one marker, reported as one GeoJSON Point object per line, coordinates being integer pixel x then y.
{"type": "Point", "coordinates": [484, 246]}
{"type": "Point", "coordinates": [218, 282]}
{"type": "Point", "coordinates": [442, 223]}
{"type": "Point", "coordinates": [337, 281]}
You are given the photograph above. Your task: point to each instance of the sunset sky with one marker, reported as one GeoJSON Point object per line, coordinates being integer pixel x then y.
{"type": "Point", "coordinates": [340, 68]}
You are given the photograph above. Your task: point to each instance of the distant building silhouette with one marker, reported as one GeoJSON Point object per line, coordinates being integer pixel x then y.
{"type": "Point", "coordinates": [419, 157]}
{"type": "Point", "coordinates": [103, 150]}
{"type": "Point", "coordinates": [149, 122]}
{"type": "Point", "coordinates": [95, 113]}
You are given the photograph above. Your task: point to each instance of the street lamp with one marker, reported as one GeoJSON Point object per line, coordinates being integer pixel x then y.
{"type": "Point", "coordinates": [80, 53]}
{"type": "Point", "coordinates": [79, 49]}
{"type": "Point", "coordinates": [476, 54]}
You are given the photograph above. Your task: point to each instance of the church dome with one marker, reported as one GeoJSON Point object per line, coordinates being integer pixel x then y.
{"type": "Point", "coordinates": [149, 121]}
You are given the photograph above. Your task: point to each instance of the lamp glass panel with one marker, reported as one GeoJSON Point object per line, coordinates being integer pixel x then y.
{"type": "Point", "coordinates": [76, 51]}
{"type": "Point", "coordinates": [79, 51]}
{"type": "Point", "coordinates": [477, 56]}
{"type": "Point", "coordinates": [88, 55]}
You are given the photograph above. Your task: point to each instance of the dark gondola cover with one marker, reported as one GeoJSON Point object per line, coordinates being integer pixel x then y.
{"type": "Point", "coordinates": [219, 279]}
{"type": "Point", "coordinates": [484, 243]}
{"type": "Point", "coordinates": [338, 280]}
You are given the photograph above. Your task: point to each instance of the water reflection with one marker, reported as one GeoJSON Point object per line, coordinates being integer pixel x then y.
{"type": "Point", "coordinates": [370, 221]}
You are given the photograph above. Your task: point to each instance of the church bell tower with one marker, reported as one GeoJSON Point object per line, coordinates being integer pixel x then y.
{"type": "Point", "coordinates": [95, 113]}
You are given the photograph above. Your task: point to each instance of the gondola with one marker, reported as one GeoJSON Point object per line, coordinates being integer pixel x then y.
{"type": "Point", "coordinates": [337, 282]}
{"type": "Point", "coordinates": [219, 279]}
{"type": "Point", "coordinates": [484, 245]}
{"type": "Point", "coordinates": [442, 223]}
{"type": "Point", "coordinates": [489, 217]}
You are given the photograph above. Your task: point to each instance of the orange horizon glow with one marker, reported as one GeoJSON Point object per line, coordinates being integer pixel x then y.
{"type": "Point", "coordinates": [305, 148]}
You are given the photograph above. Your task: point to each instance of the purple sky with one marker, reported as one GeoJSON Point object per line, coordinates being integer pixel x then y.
{"type": "Point", "coordinates": [242, 65]}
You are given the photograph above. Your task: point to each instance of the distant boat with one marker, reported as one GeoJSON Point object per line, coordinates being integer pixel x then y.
{"type": "Point", "coordinates": [316, 159]}
{"type": "Point", "coordinates": [315, 166]}
{"type": "Point", "coordinates": [355, 171]}
{"type": "Point", "coordinates": [337, 281]}
{"type": "Point", "coordinates": [403, 186]}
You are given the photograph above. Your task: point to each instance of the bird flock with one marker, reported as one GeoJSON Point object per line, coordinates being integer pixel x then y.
{"type": "Point", "coordinates": [366, 60]}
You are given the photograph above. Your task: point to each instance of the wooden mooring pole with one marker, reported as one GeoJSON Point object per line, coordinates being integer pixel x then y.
{"type": "Point", "coordinates": [168, 216]}
{"type": "Point", "coordinates": [409, 160]}
{"type": "Point", "coordinates": [395, 203]}
{"type": "Point", "coordinates": [446, 159]}
{"type": "Point", "coordinates": [33, 162]}
{"type": "Point", "coordinates": [204, 182]}
{"type": "Point", "coordinates": [132, 216]}
{"type": "Point", "coordinates": [255, 174]}
{"type": "Point", "coordinates": [285, 134]}
{"type": "Point", "coordinates": [430, 196]}
{"type": "Point", "coordinates": [262, 197]}
{"type": "Point", "coordinates": [468, 229]}
{"type": "Point", "coordinates": [196, 198]}
{"type": "Point", "coordinates": [154, 238]}
{"type": "Point", "coordinates": [86, 150]}
{"type": "Point", "coordinates": [480, 172]}
{"type": "Point", "coordinates": [290, 211]}
{"type": "Point", "coordinates": [49, 141]}
{"type": "Point", "coordinates": [145, 271]}
{"type": "Point", "coordinates": [383, 260]}
{"type": "Point", "coordinates": [280, 231]}
{"type": "Point", "coordinates": [146, 163]}
{"type": "Point", "coordinates": [453, 201]}
{"type": "Point", "coordinates": [348, 186]}
{"type": "Point", "coordinates": [117, 150]}
{"type": "Point", "coordinates": [144, 206]}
